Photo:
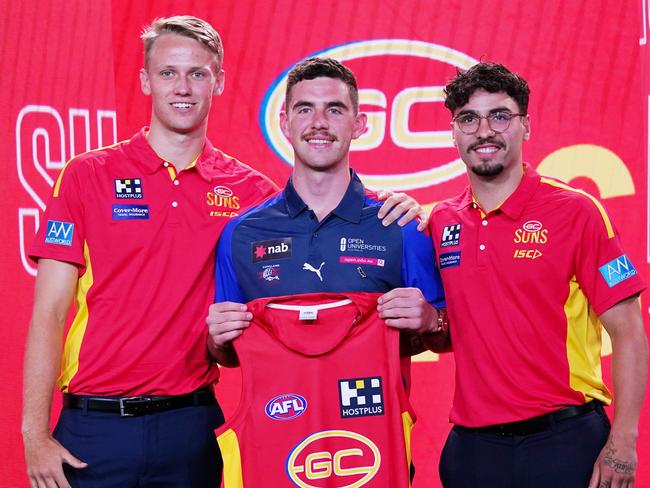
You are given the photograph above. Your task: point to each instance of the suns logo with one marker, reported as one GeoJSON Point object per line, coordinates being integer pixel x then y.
{"type": "Point", "coordinates": [402, 133]}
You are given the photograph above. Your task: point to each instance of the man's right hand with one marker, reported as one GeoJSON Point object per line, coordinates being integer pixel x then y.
{"type": "Point", "coordinates": [44, 458]}
{"type": "Point", "coordinates": [226, 321]}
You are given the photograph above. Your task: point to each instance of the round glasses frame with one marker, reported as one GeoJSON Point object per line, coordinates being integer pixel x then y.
{"type": "Point", "coordinates": [498, 122]}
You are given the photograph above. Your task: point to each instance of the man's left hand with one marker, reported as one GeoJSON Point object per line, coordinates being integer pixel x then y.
{"type": "Point", "coordinates": [406, 308]}
{"type": "Point", "coordinates": [400, 204]}
{"type": "Point", "coordinates": [616, 464]}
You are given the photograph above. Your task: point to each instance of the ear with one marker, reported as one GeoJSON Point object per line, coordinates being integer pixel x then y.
{"type": "Point", "coordinates": [144, 82]}
{"type": "Point", "coordinates": [220, 83]}
{"type": "Point", "coordinates": [526, 123]}
{"type": "Point", "coordinates": [284, 124]}
{"type": "Point", "coordinates": [360, 123]}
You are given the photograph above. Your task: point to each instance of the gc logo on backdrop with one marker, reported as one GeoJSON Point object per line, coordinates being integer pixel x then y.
{"type": "Point", "coordinates": [396, 69]}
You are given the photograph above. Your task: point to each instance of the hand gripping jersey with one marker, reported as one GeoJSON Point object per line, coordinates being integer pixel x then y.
{"type": "Point", "coordinates": [323, 403]}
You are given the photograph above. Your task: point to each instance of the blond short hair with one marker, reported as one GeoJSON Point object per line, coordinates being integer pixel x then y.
{"type": "Point", "coordinates": [183, 25]}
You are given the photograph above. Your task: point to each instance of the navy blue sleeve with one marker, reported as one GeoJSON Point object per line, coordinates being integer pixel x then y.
{"type": "Point", "coordinates": [419, 269]}
{"type": "Point", "coordinates": [226, 284]}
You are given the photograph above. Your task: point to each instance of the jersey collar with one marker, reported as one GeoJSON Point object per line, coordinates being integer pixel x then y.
{"type": "Point", "coordinates": [208, 164]}
{"type": "Point", "coordinates": [349, 208]}
{"type": "Point", "coordinates": [514, 205]}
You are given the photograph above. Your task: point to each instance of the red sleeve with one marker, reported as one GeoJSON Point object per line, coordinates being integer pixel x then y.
{"type": "Point", "coordinates": [603, 270]}
{"type": "Point", "coordinates": [61, 232]}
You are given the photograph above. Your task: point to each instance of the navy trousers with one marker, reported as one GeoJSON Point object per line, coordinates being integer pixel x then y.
{"type": "Point", "coordinates": [560, 457]}
{"type": "Point", "coordinates": [176, 448]}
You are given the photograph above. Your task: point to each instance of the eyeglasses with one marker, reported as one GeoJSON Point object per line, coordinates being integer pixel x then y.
{"type": "Point", "coordinates": [468, 123]}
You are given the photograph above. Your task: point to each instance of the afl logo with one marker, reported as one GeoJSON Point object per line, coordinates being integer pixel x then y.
{"type": "Point", "coordinates": [286, 407]}
{"type": "Point", "coordinates": [222, 191]}
{"type": "Point", "coordinates": [408, 142]}
{"type": "Point", "coordinates": [532, 226]}
{"type": "Point", "coordinates": [333, 459]}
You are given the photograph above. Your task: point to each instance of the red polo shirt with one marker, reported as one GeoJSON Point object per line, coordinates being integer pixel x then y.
{"type": "Point", "coordinates": [143, 237]}
{"type": "Point", "coordinates": [524, 287]}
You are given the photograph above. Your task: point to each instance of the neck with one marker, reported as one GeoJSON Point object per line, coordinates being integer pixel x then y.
{"type": "Point", "coordinates": [490, 192]}
{"type": "Point", "coordinates": [178, 149]}
{"type": "Point", "coordinates": [322, 191]}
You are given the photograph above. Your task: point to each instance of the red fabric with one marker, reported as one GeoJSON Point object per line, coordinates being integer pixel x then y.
{"type": "Point", "coordinates": [151, 277]}
{"type": "Point", "coordinates": [282, 355]}
{"type": "Point", "coordinates": [506, 277]}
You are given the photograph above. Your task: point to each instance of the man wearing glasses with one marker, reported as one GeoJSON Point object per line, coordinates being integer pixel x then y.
{"type": "Point", "coordinates": [532, 267]}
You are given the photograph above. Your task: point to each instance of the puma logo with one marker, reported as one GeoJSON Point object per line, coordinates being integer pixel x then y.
{"type": "Point", "coordinates": [309, 267]}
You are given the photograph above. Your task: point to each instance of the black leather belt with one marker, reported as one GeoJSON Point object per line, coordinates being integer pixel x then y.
{"type": "Point", "coordinates": [539, 424]}
{"type": "Point", "coordinates": [140, 405]}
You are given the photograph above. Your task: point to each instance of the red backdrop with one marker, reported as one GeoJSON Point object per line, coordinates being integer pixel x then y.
{"type": "Point", "coordinates": [71, 84]}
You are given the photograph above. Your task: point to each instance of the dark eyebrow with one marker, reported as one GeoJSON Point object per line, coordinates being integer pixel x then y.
{"type": "Point", "coordinates": [337, 104]}
{"type": "Point", "coordinates": [301, 103]}
{"type": "Point", "coordinates": [304, 103]}
{"type": "Point", "coordinates": [493, 111]}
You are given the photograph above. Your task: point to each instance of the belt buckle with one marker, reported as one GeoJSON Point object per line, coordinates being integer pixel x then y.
{"type": "Point", "coordinates": [123, 405]}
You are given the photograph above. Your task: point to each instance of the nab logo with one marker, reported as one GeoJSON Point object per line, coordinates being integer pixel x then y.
{"type": "Point", "coordinates": [59, 233]}
{"type": "Point", "coordinates": [286, 407]}
{"type": "Point", "coordinates": [408, 137]}
{"type": "Point", "coordinates": [617, 270]}
{"type": "Point", "coordinates": [271, 249]}
{"type": "Point", "coordinates": [333, 459]}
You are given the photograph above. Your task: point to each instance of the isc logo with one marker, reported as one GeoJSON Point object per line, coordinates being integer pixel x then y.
{"type": "Point", "coordinates": [286, 407]}
{"type": "Point", "coordinates": [333, 459]}
{"type": "Point", "coordinates": [408, 127]}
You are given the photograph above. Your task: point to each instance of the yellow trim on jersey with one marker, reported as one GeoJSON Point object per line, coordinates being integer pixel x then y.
{"type": "Point", "coordinates": [70, 359]}
{"type": "Point", "coordinates": [232, 469]}
{"type": "Point", "coordinates": [407, 425]}
{"type": "Point", "coordinates": [172, 171]}
{"type": "Point", "coordinates": [57, 185]}
{"type": "Point", "coordinates": [599, 206]}
{"type": "Point", "coordinates": [583, 346]}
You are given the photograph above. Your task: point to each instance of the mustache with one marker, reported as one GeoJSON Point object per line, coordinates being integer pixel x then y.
{"type": "Point", "coordinates": [489, 140]}
{"type": "Point", "coordinates": [324, 134]}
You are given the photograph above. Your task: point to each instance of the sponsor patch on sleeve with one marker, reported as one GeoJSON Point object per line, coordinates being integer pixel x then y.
{"type": "Point", "coordinates": [123, 211]}
{"type": "Point", "coordinates": [59, 233]}
{"type": "Point", "coordinates": [449, 259]}
{"type": "Point", "coordinates": [617, 270]}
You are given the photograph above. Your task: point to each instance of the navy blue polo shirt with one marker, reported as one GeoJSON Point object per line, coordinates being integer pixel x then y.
{"type": "Point", "coordinates": [280, 248]}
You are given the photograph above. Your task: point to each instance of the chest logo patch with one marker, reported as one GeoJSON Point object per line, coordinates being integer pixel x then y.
{"type": "Point", "coordinates": [356, 244]}
{"type": "Point", "coordinates": [270, 273]}
{"type": "Point", "coordinates": [449, 259]}
{"type": "Point", "coordinates": [271, 249]}
{"type": "Point", "coordinates": [617, 270]}
{"type": "Point", "coordinates": [309, 267]}
{"type": "Point", "coordinates": [531, 232]}
{"type": "Point", "coordinates": [130, 212]}
{"type": "Point", "coordinates": [362, 260]}
{"type": "Point", "coordinates": [450, 235]}
{"type": "Point", "coordinates": [128, 188]}
{"type": "Point", "coordinates": [333, 458]}
{"type": "Point", "coordinates": [361, 397]}
{"type": "Point", "coordinates": [286, 407]}
{"type": "Point", "coordinates": [59, 233]}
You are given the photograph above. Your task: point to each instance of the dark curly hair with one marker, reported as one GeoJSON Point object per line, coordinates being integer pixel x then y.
{"type": "Point", "coordinates": [491, 77]}
{"type": "Point", "coordinates": [312, 68]}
